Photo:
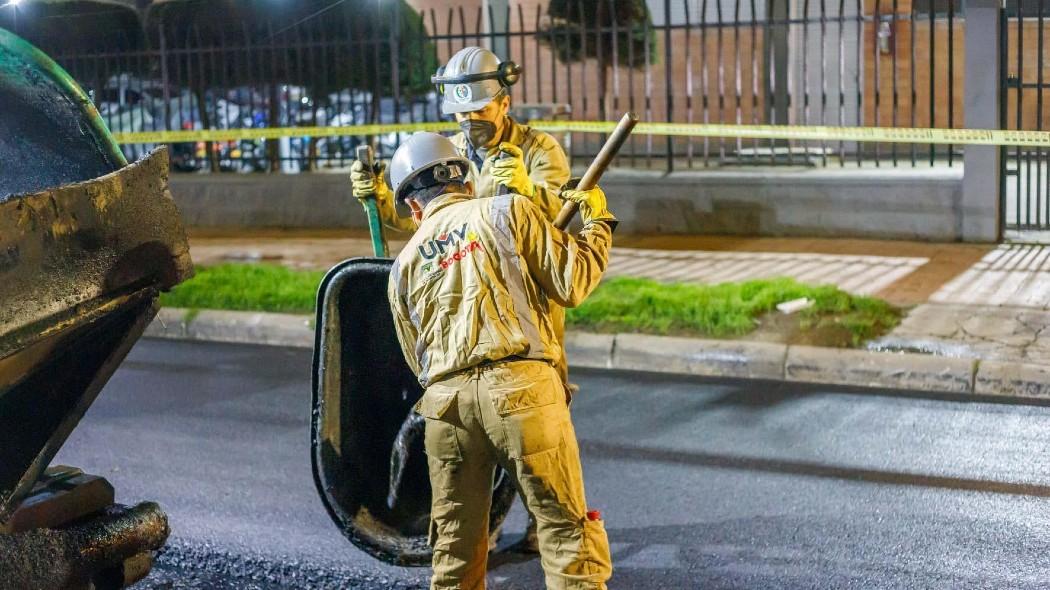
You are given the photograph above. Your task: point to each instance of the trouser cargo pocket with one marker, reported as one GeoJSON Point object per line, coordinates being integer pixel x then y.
{"type": "Point", "coordinates": [529, 398]}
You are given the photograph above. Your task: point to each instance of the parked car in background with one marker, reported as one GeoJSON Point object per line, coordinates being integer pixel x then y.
{"type": "Point", "coordinates": [131, 104]}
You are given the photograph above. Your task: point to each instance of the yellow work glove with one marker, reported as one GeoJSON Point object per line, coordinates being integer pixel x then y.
{"type": "Point", "coordinates": [367, 183]}
{"type": "Point", "coordinates": [593, 206]}
{"type": "Point", "coordinates": [508, 168]}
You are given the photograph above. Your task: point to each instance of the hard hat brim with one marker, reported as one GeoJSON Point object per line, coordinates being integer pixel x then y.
{"type": "Point", "coordinates": [452, 108]}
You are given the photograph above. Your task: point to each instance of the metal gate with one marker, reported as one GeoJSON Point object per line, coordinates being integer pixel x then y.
{"type": "Point", "coordinates": [1025, 174]}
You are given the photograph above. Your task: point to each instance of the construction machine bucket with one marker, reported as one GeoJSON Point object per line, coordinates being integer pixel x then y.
{"type": "Point", "coordinates": [364, 429]}
{"type": "Point", "coordinates": [50, 133]}
{"type": "Point", "coordinates": [80, 269]}
{"type": "Point", "coordinates": [86, 245]}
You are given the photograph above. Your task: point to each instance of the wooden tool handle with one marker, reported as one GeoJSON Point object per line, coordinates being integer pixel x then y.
{"type": "Point", "coordinates": [597, 168]}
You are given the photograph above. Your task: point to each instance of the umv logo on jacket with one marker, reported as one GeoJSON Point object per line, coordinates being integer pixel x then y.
{"type": "Point", "coordinates": [446, 241]}
{"type": "Point", "coordinates": [448, 249]}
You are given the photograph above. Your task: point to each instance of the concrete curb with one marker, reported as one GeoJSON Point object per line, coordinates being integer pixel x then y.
{"type": "Point", "coordinates": [245, 327]}
{"type": "Point", "coordinates": [902, 370]}
{"type": "Point", "coordinates": [680, 356]}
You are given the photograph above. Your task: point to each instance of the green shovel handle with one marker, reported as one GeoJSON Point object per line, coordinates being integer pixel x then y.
{"type": "Point", "coordinates": [375, 224]}
{"type": "Point", "coordinates": [375, 228]}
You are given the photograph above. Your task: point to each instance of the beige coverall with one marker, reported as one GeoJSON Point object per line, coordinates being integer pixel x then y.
{"type": "Point", "coordinates": [549, 171]}
{"type": "Point", "coordinates": [472, 295]}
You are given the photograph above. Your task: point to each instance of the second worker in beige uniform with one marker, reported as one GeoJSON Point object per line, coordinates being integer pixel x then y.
{"type": "Point", "coordinates": [472, 295]}
{"type": "Point", "coordinates": [504, 155]}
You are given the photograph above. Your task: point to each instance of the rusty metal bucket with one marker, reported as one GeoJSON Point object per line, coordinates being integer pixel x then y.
{"type": "Point", "coordinates": [363, 393]}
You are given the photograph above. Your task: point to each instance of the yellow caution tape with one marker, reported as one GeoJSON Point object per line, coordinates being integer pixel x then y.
{"type": "Point", "coordinates": [816, 133]}
{"type": "Point", "coordinates": [788, 132]}
{"type": "Point", "coordinates": [193, 135]}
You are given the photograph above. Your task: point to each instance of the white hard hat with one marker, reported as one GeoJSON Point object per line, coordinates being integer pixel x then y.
{"type": "Point", "coordinates": [472, 78]}
{"type": "Point", "coordinates": [425, 151]}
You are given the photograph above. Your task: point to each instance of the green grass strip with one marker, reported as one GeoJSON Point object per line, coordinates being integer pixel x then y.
{"type": "Point", "coordinates": [247, 287]}
{"type": "Point", "coordinates": [618, 305]}
{"type": "Point", "coordinates": [728, 309]}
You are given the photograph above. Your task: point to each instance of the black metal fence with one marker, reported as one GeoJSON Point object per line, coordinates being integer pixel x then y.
{"type": "Point", "coordinates": [1026, 174]}
{"type": "Point", "coordinates": [808, 62]}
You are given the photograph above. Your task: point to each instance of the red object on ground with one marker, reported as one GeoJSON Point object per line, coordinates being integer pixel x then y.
{"type": "Point", "coordinates": [594, 515]}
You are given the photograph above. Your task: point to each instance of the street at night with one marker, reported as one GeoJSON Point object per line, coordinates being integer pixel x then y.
{"type": "Point", "coordinates": [703, 484]}
{"type": "Point", "coordinates": [629, 294]}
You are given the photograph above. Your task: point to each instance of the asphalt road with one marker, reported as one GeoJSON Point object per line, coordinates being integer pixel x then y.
{"type": "Point", "coordinates": [703, 484]}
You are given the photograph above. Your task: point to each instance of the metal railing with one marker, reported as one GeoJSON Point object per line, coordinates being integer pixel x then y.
{"type": "Point", "coordinates": [811, 62]}
{"type": "Point", "coordinates": [1026, 175]}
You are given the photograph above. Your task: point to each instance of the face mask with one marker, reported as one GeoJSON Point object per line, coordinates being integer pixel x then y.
{"type": "Point", "coordinates": [479, 133]}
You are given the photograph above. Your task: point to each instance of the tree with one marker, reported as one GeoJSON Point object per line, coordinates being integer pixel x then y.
{"type": "Point", "coordinates": [612, 32]}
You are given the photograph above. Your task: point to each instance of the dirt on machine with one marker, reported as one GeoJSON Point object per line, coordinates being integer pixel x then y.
{"type": "Point", "coordinates": [87, 243]}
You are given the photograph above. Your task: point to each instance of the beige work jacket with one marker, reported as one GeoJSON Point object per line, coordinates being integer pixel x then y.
{"type": "Point", "coordinates": [479, 279]}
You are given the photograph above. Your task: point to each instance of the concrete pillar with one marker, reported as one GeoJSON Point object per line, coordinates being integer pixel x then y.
{"type": "Point", "coordinates": [497, 28]}
{"type": "Point", "coordinates": [981, 211]}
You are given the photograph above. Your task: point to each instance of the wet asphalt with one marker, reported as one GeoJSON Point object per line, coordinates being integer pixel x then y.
{"type": "Point", "coordinates": [703, 484]}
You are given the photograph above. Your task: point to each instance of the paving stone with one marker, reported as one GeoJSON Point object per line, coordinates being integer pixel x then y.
{"type": "Point", "coordinates": [889, 370]}
{"type": "Point", "coordinates": [1009, 275]}
{"type": "Point", "coordinates": [862, 274]}
{"type": "Point", "coordinates": [984, 350]}
{"type": "Point", "coordinates": [687, 356]}
{"type": "Point", "coordinates": [939, 321]}
{"type": "Point", "coordinates": [1002, 328]}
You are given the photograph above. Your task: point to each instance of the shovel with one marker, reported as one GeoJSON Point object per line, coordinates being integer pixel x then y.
{"type": "Point", "coordinates": [375, 225]}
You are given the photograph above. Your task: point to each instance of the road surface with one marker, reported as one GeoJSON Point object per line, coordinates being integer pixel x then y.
{"type": "Point", "coordinates": [703, 484]}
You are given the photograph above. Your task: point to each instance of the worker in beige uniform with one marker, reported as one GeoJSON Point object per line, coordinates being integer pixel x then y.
{"type": "Point", "coordinates": [471, 296]}
{"type": "Point", "coordinates": [504, 155]}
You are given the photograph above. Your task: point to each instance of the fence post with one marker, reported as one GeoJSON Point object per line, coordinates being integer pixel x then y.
{"type": "Point", "coordinates": [980, 211]}
{"type": "Point", "coordinates": [668, 81]}
{"type": "Point", "coordinates": [776, 67]}
{"type": "Point", "coordinates": [496, 12]}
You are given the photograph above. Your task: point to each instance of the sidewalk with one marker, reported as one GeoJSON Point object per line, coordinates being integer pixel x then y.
{"type": "Point", "coordinates": [982, 310]}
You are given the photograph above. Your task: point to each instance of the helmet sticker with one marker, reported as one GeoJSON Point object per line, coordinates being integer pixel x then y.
{"type": "Point", "coordinates": [462, 93]}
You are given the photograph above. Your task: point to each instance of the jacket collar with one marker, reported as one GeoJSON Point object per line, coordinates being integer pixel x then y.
{"type": "Point", "coordinates": [444, 201]}
{"type": "Point", "coordinates": [514, 132]}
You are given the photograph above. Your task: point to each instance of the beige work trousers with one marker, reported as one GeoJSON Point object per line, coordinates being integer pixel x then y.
{"type": "Point", "coordinates": [513, 414]}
